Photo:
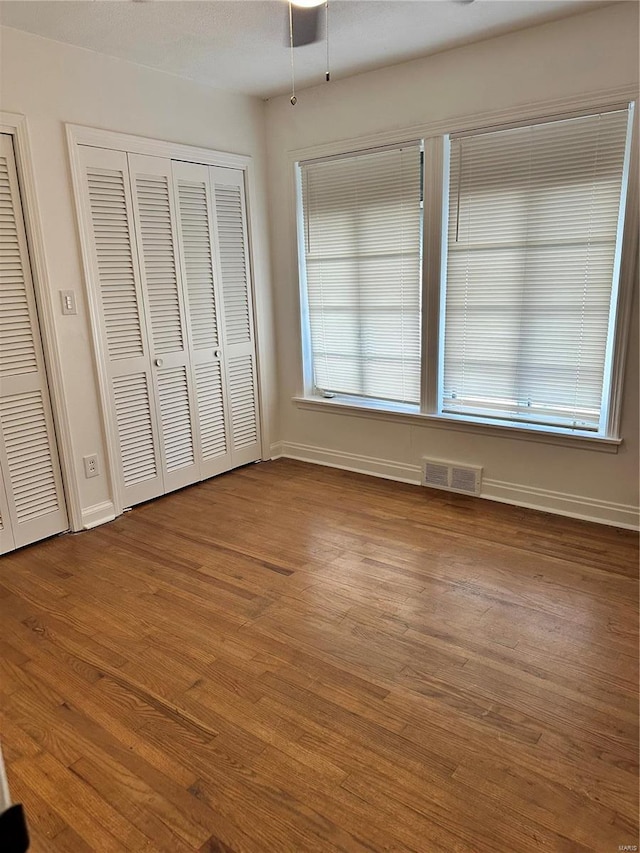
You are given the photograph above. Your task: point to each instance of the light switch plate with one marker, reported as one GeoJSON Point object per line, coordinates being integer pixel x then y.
{"type": "Point", "coordinates": [68, 301]}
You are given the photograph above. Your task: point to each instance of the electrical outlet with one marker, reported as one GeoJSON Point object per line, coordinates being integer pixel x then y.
{"type": "Point", "coordinates": [91, 466]}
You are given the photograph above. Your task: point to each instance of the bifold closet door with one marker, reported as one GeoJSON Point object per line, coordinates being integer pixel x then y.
{"type": "Point", "coordinates": [195, 232]}
{"type": "Point", "coordinates": [115, 282]}
{"type": "Point", "coordinates": [32, 502]}
{"type": "Point", "coordinates": [170, 270]}
{"type": "Point", "coordinates": [171, 368]}
{"type": "Point", "coordinates": [238, 331]}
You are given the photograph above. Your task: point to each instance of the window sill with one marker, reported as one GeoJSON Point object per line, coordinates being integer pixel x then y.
{"type": "Point", "coordinates": [403, 414]}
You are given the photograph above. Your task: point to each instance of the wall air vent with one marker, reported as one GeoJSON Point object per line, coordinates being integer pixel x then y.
{"type": "Point", "coordinates": [464, 479]}
{"type": "Point", "coordinates": [435, 474]}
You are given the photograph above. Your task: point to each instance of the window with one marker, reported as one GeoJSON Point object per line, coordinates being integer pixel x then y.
{"type": "Point", "coordinates": [362, 233]}
{"type": "Point", "coordinates": [527, 282]}
{"type": "Point", "coordinates": [531, 253]}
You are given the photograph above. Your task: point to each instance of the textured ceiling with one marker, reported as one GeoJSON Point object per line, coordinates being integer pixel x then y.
{"type": "Point", "coordinates": [241, 44]}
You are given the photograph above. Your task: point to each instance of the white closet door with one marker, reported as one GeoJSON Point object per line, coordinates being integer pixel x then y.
{"type": "Point", "coordinates": [31, 495]}
{"type": "Point", "coordinates": [154, 206]}
{"type": "Point", "coordinates": [195, 231]}
{"type": "Point", "coordinates": [238, 333]}
{"type": "Point", "coordinates": [116, 281]}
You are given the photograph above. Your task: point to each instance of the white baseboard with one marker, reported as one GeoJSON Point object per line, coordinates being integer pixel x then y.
{"type": "Point", "coordinates": [275, 451]}
{"type": "Point", "coordinates": [349, 462]}
{"type": "Point", "coordinates": [559, 503]}
{"type": "Point", "coordinates": [97, 514]}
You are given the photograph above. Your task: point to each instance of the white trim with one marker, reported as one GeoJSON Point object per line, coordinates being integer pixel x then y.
{"type": "Point", "coordinates": [16, 125]}
{"type": "Point", "coordinates": [518, 494]}
{"type": "Point", "coordinates": [433, 265]}
{"type": "Point", "coordinates": [99, 138]}
{"type": "Point", "coordinates": [452, 422]}
{"type": "Point", "coordinates": [79, 135]}
{"type": "Point", "coordinates": [84, 229]}
{"type": "Point", "coordinates": [98, 514]}
{"type": "Point", "coordinates": [383, 468]}
{"type": "Point", "coordinates": [275, 451]}
{"type": "Point", "coordinates": [303, 296]}
{"type": "Point", "coordinates": [562, 503]}
{"type": "Point", "coordinates": [376, 149]}
{"type": "Point", "coordinates": [628, 277]}
{"type": "Point", "coordinates": [259, 312]}
{"type": "Point", "coordinates": [525, 122]}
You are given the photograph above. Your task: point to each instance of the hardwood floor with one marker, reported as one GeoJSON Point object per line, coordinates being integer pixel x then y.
{"type": "Point", "coordinates": [293, 658]}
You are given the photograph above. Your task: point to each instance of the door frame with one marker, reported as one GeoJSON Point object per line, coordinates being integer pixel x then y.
{"type": "Point", "coordinates": [16, 126]}
{"type": "Point", "coordinates": [78, 135]}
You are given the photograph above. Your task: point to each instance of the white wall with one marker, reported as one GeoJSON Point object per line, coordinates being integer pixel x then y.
{"type": "Point", "coordinates": [577, 56]}
{"type": "Point", "coordinates": [52, 83]}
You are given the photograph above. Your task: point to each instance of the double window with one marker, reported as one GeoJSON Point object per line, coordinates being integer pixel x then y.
{"type": "Point", "coordinates": [515, 321]}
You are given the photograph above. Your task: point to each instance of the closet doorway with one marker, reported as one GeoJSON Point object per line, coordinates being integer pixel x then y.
{"type": "Point", "coordinates": [168, 267]}
{"type": "Point", "coordinates": [32, 503]}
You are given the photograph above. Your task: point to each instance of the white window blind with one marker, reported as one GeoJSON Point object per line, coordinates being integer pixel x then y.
{"type": "Point", "coordinates": [362, 246]}
{"type": "Point", "coordinates": [533, 246]}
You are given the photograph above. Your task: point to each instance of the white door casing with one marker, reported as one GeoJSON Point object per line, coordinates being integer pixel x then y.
{"type": "Point", "coordinates": [32, 500]}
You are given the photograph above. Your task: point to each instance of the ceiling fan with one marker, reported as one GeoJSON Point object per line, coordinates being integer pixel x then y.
{"type": "Point", "coordinates": [303, 22]}
{"type": "Point", "coordinates": [303, 27]}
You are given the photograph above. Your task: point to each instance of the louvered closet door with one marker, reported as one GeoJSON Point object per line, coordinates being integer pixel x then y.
{"type": "Point", "coordinates": [31, 496]}
{"type": "Point", "coordinates": [238, 334]}
{"type": "Point", "coordinates": [195, 232]}
{"type": "Point", "coordinates": [116, 282]}
{"type": "Point", "coordinates": [156, 227]}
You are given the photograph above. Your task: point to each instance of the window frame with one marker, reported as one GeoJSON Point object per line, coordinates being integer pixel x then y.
{"type": "Point", "coordinates": [436, 179]}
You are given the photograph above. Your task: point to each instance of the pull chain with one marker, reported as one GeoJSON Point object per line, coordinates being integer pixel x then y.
{"type": "Point", "coordinates": [327, 75]}
{"type": "Point", "coordinates": [293, 98]}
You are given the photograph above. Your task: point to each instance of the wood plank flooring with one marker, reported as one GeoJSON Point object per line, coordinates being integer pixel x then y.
{"type": "Point", "coordinates": [293, 658]}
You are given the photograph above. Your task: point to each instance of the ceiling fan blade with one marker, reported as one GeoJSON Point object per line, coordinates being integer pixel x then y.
{"type": "Point", "coordinates": [306, 25]}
